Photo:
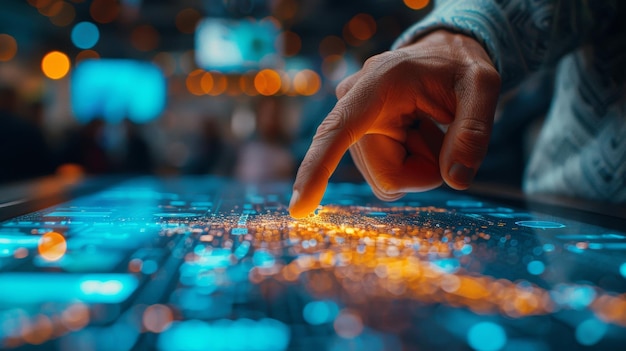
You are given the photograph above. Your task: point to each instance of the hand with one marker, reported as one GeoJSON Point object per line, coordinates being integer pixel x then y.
{"type": "Point", "coordinates": [388, 115]}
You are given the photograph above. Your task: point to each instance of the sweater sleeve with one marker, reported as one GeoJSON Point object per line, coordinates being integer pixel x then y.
{"type": "Point", "coordinates": [520, 36]}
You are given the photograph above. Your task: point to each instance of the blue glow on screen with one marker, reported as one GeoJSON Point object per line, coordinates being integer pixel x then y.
{"type": "Point", "coordinates": [486, 336]}
{"type": "Point", "coordinates": [320, 312]}
{"type": "Point", "coordinates": [236, 46]}
{"type": "Point", "coordinates": [116, 89]}
{"type": "Point", "coordinates": [221, 335]}
{"type": "Point", "coordinates": [85, 35]}
{"type": "Point", "coordinates": [590, 332]}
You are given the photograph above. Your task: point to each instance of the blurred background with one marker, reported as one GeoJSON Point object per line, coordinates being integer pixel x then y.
{"type": "Point", "coordinates": [226, 87]}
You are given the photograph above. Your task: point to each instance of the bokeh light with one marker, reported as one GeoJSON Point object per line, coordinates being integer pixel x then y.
{"type": "Point", "coordinates": [193, 82]}
{"type": "Point", "coordinates": [52, 246]}
{"type": "Point", "coordinates": [8, 47]}
{"type": "Point", "coordinates": [166, 62]}
{"type": "Point", "coordinates": [87, 55]}
{"type": "Point", "coordinates": [486, 336]}
{"type": "Point", "coordinates": [85, 35]}
{"type": "Point", "coordinates": [362, 26]}
{"type": "Point", "coordinates": [416, 4]}
{"type": "Point", "coordinates": [55, 65]}
{"type": "Point", "coordinates": [187, 19]}
{"type": "Point", "coordinates": [65, 16]}
{"type": "Point", "coordinates": [50, 8]}
{"type": "Point", "coordinates": [267, 82]}
{"type": "Point", "coordinates": [145, 38]}
{"type": "Point", "coordinates": [332, 45]}
{"type": "Point", "coordinates": [307, 82]}
{"type": "Point", "coordinates": [157, 318]}
{"type": "Point", "coordinates": [292, 43]}
{"type": "Point", "coordinates": [104, 11]}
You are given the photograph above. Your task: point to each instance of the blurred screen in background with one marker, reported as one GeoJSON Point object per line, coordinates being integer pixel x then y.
{"type": "Point", "coordinates": [237, 46]}
{"type": "Point", "coordinates": [115, 89]}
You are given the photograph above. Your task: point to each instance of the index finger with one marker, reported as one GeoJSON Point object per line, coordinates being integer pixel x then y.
{"type": "Point", "coordinates": [345, 124]}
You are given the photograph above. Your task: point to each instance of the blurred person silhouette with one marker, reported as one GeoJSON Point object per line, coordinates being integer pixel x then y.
{"type": "Point", "coordinates": [422, 114]}
{"type": "Point", "coordinates": [137, 156]}
{"type": "Point", "coordinates": [267, 156]}
{"type": "Point", "coordinates": [24, 152]}
{"type": "Point", "coordinates": [86, 146]}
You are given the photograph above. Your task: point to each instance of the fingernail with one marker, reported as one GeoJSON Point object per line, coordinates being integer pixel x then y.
{"type": "Point", "coordinates": [461, 174]}
{"type": "Point", "coordinates": [294, 198]}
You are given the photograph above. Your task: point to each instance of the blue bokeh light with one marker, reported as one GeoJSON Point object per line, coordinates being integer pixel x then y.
{"type": "Point", "coordinates": [486, 336]}
{"type": "Point", "coordinates": [85, 35]}
{"type": "Point", "coordinates": [320, 312]}
{"type": "Point", "coordinates": [622, 269]}
{"type": "Point", "coordinates": [590, 332]}
{"type": "Point", "coordinates": [536, 267]}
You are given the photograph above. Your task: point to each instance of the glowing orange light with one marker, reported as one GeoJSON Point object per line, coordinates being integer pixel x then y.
{"type": "Point", "coordinates": [332, 45]}
{"type": "Point", "coordinates": [87, 55]}
{"type": "Point", "coordinates": [187, 19]}
{"type": "Point", "coordinates": [267, 82]}
{"type": "Point", "coordinates": [246, 84]}
{"type": "Point", "coordinates": [52, 246]}
{"type": "Point", "coordinates": [65, 16]}
{"type": "Point", "coordinates": [55, 65]}
{"type": "Point", "coordinates": [104, 11]}
{"type": "Point", "coordinates": [50, 8]}
{"type": "Point", "coordinates": [145, 38]}
{"type": "Point", "coordinates": [193, 82]}
{"type": "Point", "coordinates": [39, 3]}
{"type": "Point", "coordinates": [38, 331]}
{"type": "Point", "coordinates": [75, 317]}
{"type": "Point", "coordinates": [291, 42]}
{"type": "Point", "coordinates": [157, 318]}
{"type": "Point", "coordinates": [362, 26]}
{"type": "Point", "coordinates": [286, 9]}
{"type": "Point", "coordinates": [8, 47]}
{"type": "Point", "coordinates": [207, 82]}
{"type": "Point", "coordinates": [416, 4]}
{"type": "Point", "coordinates": [307, 82]}
{"type": "Point", "coordinates": [220, 84]}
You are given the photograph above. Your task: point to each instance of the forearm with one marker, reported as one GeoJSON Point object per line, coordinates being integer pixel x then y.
{"type": "Point", "coordinates": [520, 36]}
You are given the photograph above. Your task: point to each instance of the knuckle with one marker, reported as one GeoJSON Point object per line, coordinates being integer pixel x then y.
{"type": "Point", "coordinates": [484, 75]}
{"type": "Point", "coordinates": [473, 137]}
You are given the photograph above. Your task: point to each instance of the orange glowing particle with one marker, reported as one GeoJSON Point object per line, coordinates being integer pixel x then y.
{"type": "Point", "coordinates": [157, 318]}
{"type": "Point", "coordinates": [291, 42]}
{"type": "Point", "coordinates": [135, 265]}
{"type": "Point", "coordinates": [75, 317]}
{"type": "Point", "coordinates": [8, 47]}
{"type": "Point", "coordinates": [65, 16]}
{"type": "Point", "coordinates": [267, 82]}
{"type": "Point", "coordinates": [207, 82]}
{"type": "Point", "coordinates": [307, 82]}
{"type": "Point", "coordinates": [87, 55]}
{"type": "Point", "coordinates": [187, 19]}
{"type": "Point", "coordinates": [193, 82]}
{"type": "Point", "coordinates": [38, 330]}
{"type": "Point", "coordinates": [50, 8]}
{"type": "Point", "coordinates": [104, 11]}
{"type": "Point", "coordinates": [362, 26]}
{"type": "Point", "coordinates": [52, 246]}
{"type": "Point", "coordinates": [145, 38]}
{"type": "Point", "coordinates": [55, 65]}
{"type": "Point", "coordinates": [416, 4]}
{"type": "Point", "coordinates": [220, 84]}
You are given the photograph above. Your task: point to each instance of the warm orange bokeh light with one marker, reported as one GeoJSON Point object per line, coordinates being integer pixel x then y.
{"type": "Point", "coordinates": [416, 4]}
{"type": "Point", "coordinates": [267, 82]}
{"type": "Point", "coordinates": [187, 19]}
{"type": "Point", "coordinates": [52, 246]}
{"type": "Point", "coordinates": [55, 65]}
{"type": "Point", "coordinates": [8, 47]}
{"type": "Point", "coordinates": [291, 43]}
{"type": "Point", "coordinates": [157, 318]}
{"type": "Point", "coordinates": [87, 55]}
{"type": "Point", "coordinates": [50, 8]}
{"type": "Point", "coordinates": [220, 84]}
{"type": "Point", "coordinates": [145, 38]}
{"type": "Point", "coordinates": [104, 11]}
{"type": "Point", "coordinates": [65, 16]}
{"type": "Point", "coordinates": [362, 26]}
{"type": "Point", "coordinates": [332, 45]}
{"type": "Point", "coordinates": [246, 84]}
{"type": "Point", "coordinates": [193, 82]}
{"type": "Point", "coordinates": [307, 82]}
{"type": "Point", "coordinates": [207, 82]}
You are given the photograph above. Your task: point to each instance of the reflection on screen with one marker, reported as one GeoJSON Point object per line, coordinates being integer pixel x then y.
{"type": "Point", "coordinates": [117, 89]}
{"type": "Point", "coordinates": [236, 46]}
